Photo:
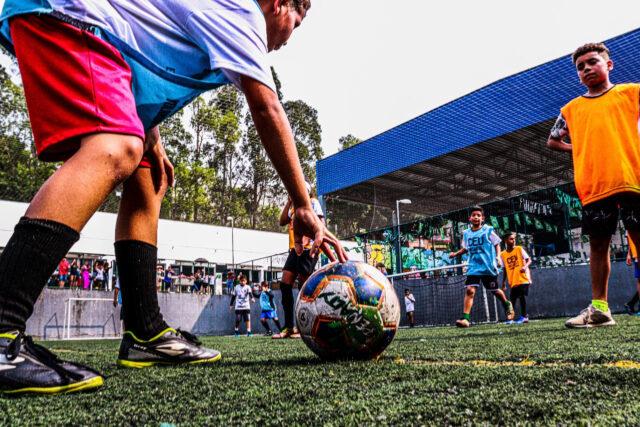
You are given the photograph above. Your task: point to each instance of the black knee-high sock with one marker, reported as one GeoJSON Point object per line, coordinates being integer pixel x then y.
{"type": "Point", "coordinates": [31, 255]}
{"type": "Point", "coordinates": [137, 272]}
{"type": "Point", "coordinates": [513, 300]}
{"type": "Point", "coordinates": [523, 306]}
{"type": "Point", "coordinates": [287, 304]}
{"type": "Point", "coordinates": [278, 324]}
{"type": "Point", "coordinates": [633, 301]}
{"type": "Point", "coordinates": [265, 324]}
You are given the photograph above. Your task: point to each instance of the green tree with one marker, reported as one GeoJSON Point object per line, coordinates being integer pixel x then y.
{"type": "Point", "coordinates": [307, 134]}
{"type": "Point", "coordinates": [21, 173]}
{"type": "Point", "coordinates": [348, 141]}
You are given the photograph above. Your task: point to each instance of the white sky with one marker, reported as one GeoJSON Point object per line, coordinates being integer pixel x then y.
{"type": "Point", "coordinates": [369, 65]}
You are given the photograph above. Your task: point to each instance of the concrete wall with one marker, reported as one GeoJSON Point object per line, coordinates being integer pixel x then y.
{"type": "Point", "coordinates": [201, 314]}
{"type": "Point", "coordinates": [557, 292]}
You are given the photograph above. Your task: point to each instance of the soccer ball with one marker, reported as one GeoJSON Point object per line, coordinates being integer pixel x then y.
{"type": "Point", "coordinates": [347, 311]}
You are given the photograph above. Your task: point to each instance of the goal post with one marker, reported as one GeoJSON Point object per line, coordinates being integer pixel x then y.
{"type": "Point", "coordinates": [90, 314]}
{"type": "Point", "coordinates": [439, 296]}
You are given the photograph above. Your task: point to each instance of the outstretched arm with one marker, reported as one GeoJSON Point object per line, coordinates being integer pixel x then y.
{"type": "Point", "coordinates": [458, 253]}
{"type": "Point", "coordinates": [275, 133]}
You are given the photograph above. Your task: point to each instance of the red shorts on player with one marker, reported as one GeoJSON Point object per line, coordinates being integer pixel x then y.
{"type": "Point", "coordinates": [75, 84]}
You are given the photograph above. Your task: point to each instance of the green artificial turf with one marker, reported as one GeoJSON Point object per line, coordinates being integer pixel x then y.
{"type": "Point", "coordinates": [539, 373]}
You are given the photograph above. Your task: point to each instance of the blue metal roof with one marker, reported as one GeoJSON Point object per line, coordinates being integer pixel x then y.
{"type": "Point", "coordinates": [507, 105]}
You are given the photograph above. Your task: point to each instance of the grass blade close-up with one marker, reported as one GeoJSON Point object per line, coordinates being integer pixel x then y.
{"type": "Point", "coordinates": [537, 373]}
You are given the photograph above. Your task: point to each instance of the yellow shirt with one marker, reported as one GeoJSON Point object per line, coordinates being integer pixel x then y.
{"type": "Point", "coordinates": [513, 262]}
{"type": "Point", "coordinates": [605, 142]}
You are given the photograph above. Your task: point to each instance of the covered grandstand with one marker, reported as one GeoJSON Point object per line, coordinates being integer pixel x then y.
{"type": "Point", "coordinates": [488, 148]}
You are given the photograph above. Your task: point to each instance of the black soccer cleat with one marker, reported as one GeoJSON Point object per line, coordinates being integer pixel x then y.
{"type": "Point", "coordinates": [26, 367]}
{"type": "Point", "coordinates": [169, 347]}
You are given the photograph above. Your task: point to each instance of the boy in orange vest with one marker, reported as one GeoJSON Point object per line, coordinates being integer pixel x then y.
{"type": "Point", "coordinates": [516, 263]}
{"type": "Point", "coordinates": [605, 144]}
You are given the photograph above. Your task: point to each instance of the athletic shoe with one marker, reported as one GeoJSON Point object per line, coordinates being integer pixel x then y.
{"type": "Point", "coordinates": [268, 333]}
{"type": "Point", "coordinates": [509, 322]}
{"type": "Point", "coordinates": [522, 319]}
{"type": "Point", "coordinates": [630, 311]}
{"type": "Point", "coordinates": [285, 333]}
{"type": "Point", "coordinates": [26, 367]}
{"type": "Point", "coordinates": [169, 347]}
{"type": "Point", "coordinates": [237, 335]}
{"type": "Point", "coordinates": [463, 323]}
{"type": "Point", "coordinates": [296, 333]}
{"type": "Point", "coordinates": [249, 335]}
{"type": "Point", "coordinates": [591, 317]}
{"type": "Point", "coordinates": [510, 312]}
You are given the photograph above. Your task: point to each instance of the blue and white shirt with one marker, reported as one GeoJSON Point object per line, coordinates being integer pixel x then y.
{"type": "Point", "coordinates": [480, 244]}
{"type": "Point", "coordinates": [177, 49]}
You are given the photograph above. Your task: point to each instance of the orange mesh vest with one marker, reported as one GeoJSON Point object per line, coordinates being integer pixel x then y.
{"type": "Point", "coordinates": [634, 251]}
{"type": "Point", "coordinates": [513, 262]}
{"type": "Point", "coordinates": [605, 141]}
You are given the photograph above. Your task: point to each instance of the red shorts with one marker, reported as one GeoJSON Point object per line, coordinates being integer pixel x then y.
{"type": "Point", "coordinates": [75, 84]}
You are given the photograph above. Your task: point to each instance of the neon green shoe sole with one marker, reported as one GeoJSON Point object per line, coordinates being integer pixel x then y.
{"type": "Point", "coordinates": [139, 365]}
{"type": "Point", "coordinates": [91, 383]}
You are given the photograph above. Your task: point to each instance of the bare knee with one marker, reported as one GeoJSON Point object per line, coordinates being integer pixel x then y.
{"type": "Point", "coordinates": [121, 154]}
{"type": "Point", "coordinates": [471, 291]}
{"type": "Point", "coordinates": [600, 244]}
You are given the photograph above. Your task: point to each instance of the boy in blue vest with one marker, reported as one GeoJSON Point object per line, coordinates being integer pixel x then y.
{"type": "Point", "coordinates": [483, 246]}
{"type": "Point", "coordinates": [121, 68]}
{"type": "Point", "coordinates": [268, 307]}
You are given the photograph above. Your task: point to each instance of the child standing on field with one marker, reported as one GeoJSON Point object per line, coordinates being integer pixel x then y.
{"type": "Point", "coordinates": [409, 303]}
{"type": "Point", "coordinates": [240, 295]}
{"type": "Point", "coordinates": [605, 144]}
{"type": "Point", "coordinates": [483, 246]}
{"type": "Point", "coordinates": [516, 262]}
{"type": "Point", "coordinates": [268, 307]}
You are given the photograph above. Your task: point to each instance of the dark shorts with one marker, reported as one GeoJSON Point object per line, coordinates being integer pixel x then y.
{"type": "Point", "coordinates": [519, 291]}
{"type": "Point", "coordinates": [243, 315]}
{"type": "Point", "coordinates": [489, 282]}
{"type": "Point", "coordinates": [600, 219]}
{"type": "Point", "coordinates": [300, 264]}
{"type": "Point", "coordinates": [271, 314]}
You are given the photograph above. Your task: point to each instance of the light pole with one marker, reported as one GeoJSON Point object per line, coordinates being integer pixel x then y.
{"type": "Point", "coordinates": [398, 246]}
{"type": "Point", "coordinates": [233, 253]}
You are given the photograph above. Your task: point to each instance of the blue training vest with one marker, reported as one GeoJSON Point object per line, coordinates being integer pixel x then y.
{"type": "Point", "coordinates": [482, 253]}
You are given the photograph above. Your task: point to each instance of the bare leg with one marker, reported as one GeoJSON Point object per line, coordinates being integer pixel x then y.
{"type": "Point", "coordinates": [600, 267]}
{"type": "Point", "coordinates": [139, 208]}
{"type": "Point", "coordinates": [468, 298]}
{"type": "Point", "coordinates": [102, 162]}
{"type": "Point", "coordinates": [501, 296]}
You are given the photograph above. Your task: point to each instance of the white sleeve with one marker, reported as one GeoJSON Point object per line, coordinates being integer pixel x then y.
{"type": "Point", "coordinates": [525, 255]}
{"type": "Point", "coordinates": [235, 38]}
{"type": "Point", "coordinates": [493, 238]}
{"type": "Point", "coordinates": [463, 242]}
{"type": "Point", "coordinates": [317, 207]}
